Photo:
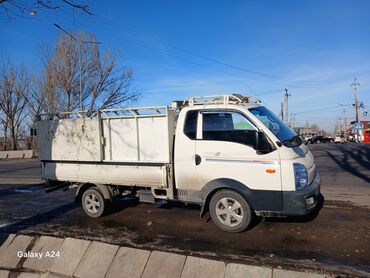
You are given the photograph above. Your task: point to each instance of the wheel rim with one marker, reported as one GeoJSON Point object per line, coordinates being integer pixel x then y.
{"type": "Point", "coordinates": [229, 212]}
{"type": "Point", "coordinates": [92, 203]}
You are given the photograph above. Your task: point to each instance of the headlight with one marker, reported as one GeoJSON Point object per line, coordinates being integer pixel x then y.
{"type": "Point", "coordinates": [300, 175]}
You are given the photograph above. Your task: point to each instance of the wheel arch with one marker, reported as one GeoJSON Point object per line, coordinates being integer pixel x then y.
{"type": "Point", "coordinates": [104, 189]}
{"type": "Point", "coordinates": [224, 183]}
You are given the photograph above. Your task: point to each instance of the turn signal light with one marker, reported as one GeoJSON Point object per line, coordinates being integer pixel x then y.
{"type": "Point", "coordinates": [270, 171]}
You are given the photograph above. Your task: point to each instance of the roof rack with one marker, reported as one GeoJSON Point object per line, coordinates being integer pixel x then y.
{"type": "Point", "coordinates": [217, 99]}
{"type": "Point", "coordinates": [108, 113]}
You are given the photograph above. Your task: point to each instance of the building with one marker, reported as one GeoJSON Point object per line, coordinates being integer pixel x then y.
{"type": "Point", "coordinates": [366, 131]}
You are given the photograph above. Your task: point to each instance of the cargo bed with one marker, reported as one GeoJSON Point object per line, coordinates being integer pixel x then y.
{"type": "Point", "coordinates": [116, 146]}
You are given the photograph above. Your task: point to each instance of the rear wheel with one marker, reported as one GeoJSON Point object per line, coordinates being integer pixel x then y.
{"type": "Point", "coordinates": [93, 203]}
{"type": "Point", "coordinates": [230, 211]}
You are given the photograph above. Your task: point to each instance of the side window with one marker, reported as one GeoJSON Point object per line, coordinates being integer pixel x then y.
{"type": "Point", "coordinates": [190, 127]}
{"type": "Point", "coordinates": [241, 123]}
{"type": "Point", "coordinates": [228, 126]}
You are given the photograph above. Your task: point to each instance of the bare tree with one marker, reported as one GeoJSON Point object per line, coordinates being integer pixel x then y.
{"type": "Point", "coordinates": [4, 126]}
{"type": "Point", "coordinates": [14, 84]}
{"type": "Point", "coordinates": [103, 85]}
{"type": "Point", "coordinates": [10, 9]}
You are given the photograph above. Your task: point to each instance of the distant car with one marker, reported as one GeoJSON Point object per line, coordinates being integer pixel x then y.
{"type": "Point", "coordinates": [338, 139]}
{"type": "Point", "coordinates": [307, 139]}
{"type": "Point", "coordinates": [320, 139]}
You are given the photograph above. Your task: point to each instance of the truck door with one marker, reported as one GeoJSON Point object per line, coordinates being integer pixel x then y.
{"type": "Point", "coordinates": [224, 149]}
{"type": "Point", "coordinates": [186, 133]}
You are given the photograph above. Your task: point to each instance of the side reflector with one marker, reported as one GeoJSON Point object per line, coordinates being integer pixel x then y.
{"type": "Point", "coordinates": [270, 171]}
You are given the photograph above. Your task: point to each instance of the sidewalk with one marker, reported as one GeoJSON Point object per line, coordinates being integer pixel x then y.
{"type": "Point", "coordinates": [45, 256]}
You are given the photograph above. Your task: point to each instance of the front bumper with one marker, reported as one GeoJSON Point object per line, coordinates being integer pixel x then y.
{"type": "Point", "coordinates": [302, 202]}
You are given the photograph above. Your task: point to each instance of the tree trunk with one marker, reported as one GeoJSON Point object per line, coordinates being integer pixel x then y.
{"type": "Point", "coordinates": [5, 135]}
{"type": "Point", "coordinates": [14, 140]}
{"type": "Point", "coordinates": [68, 102]}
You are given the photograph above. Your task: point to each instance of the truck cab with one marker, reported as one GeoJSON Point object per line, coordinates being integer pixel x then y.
{"type": "Point", "coordinates": [237, 159]}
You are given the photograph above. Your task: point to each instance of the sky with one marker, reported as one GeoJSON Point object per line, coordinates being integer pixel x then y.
{"type": "Point", "coordinates": [187, 48]}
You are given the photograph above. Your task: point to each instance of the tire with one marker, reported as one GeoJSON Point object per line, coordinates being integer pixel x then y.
{"type": "Point", "coordinates": [229, 221]}
{"type": "Point", "coordinates": [93, 202]}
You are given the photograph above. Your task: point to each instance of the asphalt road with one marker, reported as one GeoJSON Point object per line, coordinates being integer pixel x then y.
{"type": "Point", "coordinates": [345, 172]}
{"type": "Point", "coordinates": [336, 238]}
{"type": "Point", "coordinates": [20, 172]}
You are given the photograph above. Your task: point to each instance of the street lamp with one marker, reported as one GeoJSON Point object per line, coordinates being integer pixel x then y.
{"type": "Point", "coordinates": [80, 43]}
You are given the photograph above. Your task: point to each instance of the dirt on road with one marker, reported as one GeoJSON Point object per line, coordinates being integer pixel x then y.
{"type": "Point", "coordinates": [339, 236]}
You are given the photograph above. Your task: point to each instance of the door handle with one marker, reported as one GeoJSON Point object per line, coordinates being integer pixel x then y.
{"type": "Point", "coordinates": [198, 159]}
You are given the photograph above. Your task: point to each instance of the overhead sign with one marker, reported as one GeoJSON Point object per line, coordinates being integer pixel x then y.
{"type": "Point", "coordinates": [358, 126]}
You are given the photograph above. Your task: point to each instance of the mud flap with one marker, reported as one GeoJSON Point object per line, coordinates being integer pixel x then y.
{"type": "Point", "coordinates": [202, 210]}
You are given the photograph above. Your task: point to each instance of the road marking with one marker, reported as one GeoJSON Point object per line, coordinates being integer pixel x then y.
{"type": "Point", "coordinates": [22, 190]}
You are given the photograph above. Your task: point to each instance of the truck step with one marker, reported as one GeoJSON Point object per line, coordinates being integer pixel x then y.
{"type": "Point", "coordinates": [146, 196]}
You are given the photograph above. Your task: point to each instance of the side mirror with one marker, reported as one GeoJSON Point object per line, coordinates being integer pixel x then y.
{"type": "Point", "coordinates": [262, 143]}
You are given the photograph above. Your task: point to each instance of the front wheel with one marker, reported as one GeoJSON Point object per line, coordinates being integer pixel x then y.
{"type": "Point", "coordinates": [93, 203]}
{"type": "Point", "coordinates": [230, 211]}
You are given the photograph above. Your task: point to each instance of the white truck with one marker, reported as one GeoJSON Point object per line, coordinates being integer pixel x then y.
{"type": "Point", "coordinates": [231, 156]}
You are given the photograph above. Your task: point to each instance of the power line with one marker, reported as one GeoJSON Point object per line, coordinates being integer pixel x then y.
{"type": "Point", "coordinates": [323, 109]}
{"type": "Point", "coordinates": [206, 58]}
{"type": "Point", "coordinates": [203, 57]}
{"type": "Point", "coordinates": [195, 63]}
{"type": "Point", "coordinates": [213, 60]}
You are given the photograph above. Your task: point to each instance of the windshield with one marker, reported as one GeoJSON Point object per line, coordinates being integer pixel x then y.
{"type": "Point", "coordinates": [277, 126]}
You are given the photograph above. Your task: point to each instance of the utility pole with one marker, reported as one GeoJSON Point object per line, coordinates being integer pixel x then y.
{"type": "Point", "coordinates": [337, 126]}
{"type": "Point", "coordinates": [284, 107]}
{"type": "Point", "coordinates": [306, 128]}
{"type": "Point", "coordinates": [281, 111]}
{"type": "Point", "coordinates": [343, 126]}
{"type": "Point", "coordinates": [340, 125]}
{"type": "Point", "coordinates": [355, 85]}
{"type": "Point", "coordinates": [292, 121]}
{"type": "Point", "coordinates": [80, 44]}
{"type": "Point", "coordinates": [345, 123]}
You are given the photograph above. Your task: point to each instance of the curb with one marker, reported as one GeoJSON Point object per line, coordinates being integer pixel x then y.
{"type": "Point", "coordinates": [16, 154]}
{"type": "Point", "coordinates": [45, 256]}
